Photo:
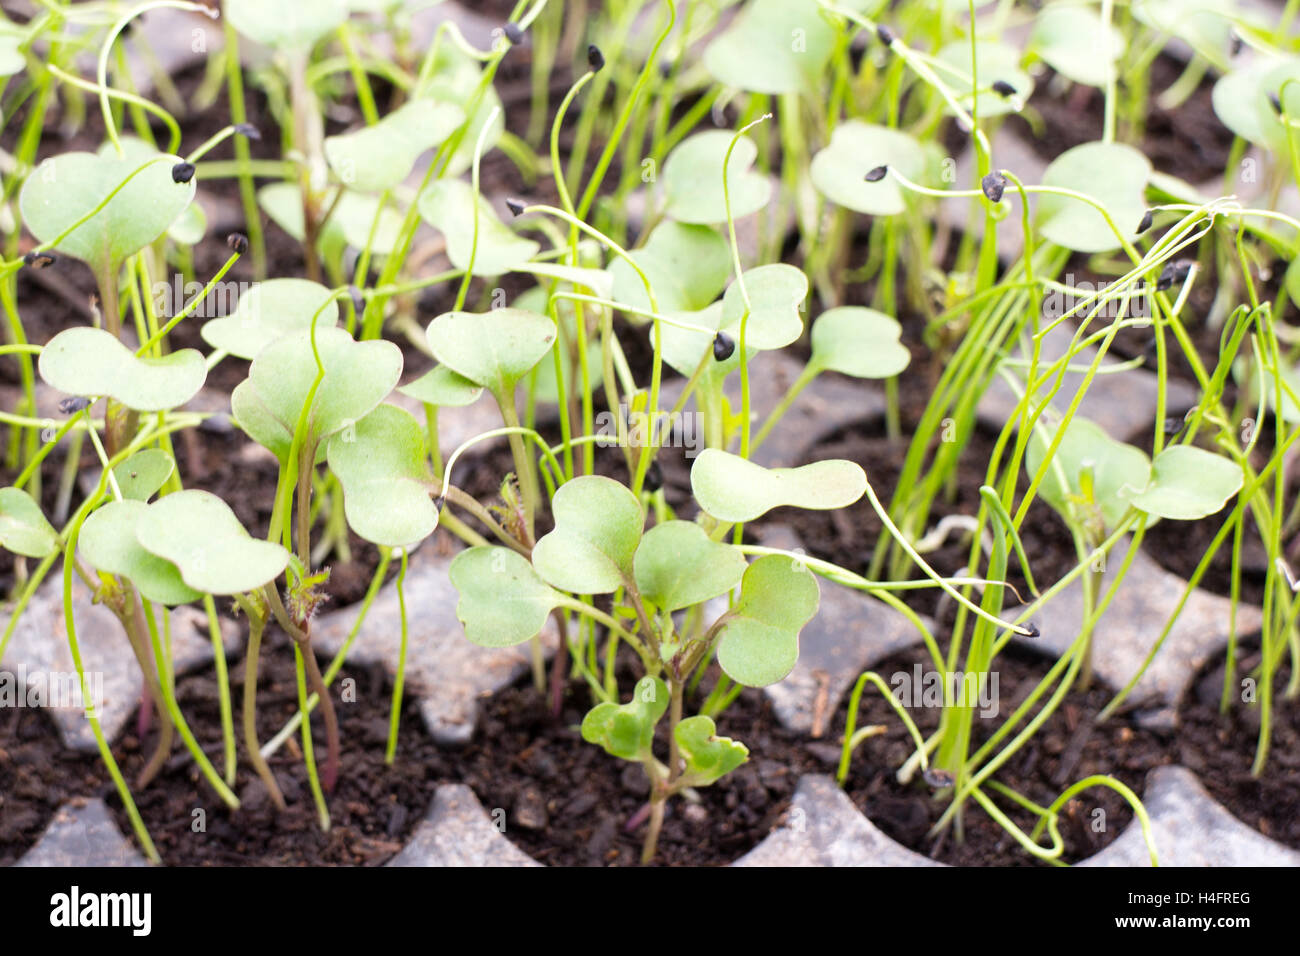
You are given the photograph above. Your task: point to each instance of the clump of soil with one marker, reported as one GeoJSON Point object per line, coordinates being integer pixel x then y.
{"type": "Point", "coordinates": [1069, 747]}
{"type": "Point", "coordinates": [373, 809]}
{"type": "Point", "coordinates": [38, 774]}
{"type": "Point", "coordinates": [567, 802]}
{"type": "Point", "coordinates": [1220, 748]}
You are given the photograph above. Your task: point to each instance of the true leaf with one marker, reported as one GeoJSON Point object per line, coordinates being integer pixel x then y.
{"type": "Point", "coordinates": [268, 311]}
{"type": "Point", "coordinates": [627, 730]}
{"type": "Point", "coordinates": [91, 362]}
{"type": "Point", "coordinates": [708, 757]}
{"type": "Point", "coordinates": [733, 489]}
{"type": "Point", "coordinates": [597, 528]}
{"type": "Point", "coordinates": [198, 532]}
{"type": "Point", "coordinates": [677, 566]}
{"type": "Point", "coordinates": [382, 466]}
{"type": "Point", "coordinates": [502, 600]}
{"type": "Point", "coordinates": [23, 527]}
{"type": "Point", "coordinates": [759, 643]}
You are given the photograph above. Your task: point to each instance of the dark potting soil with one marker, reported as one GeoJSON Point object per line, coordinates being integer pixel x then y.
{"type": "Point", "coordinates": [1069, 747]}
{"type": "Point", "coordinates": [1221, 747]}
{"type": "Point", "coordinates": [568, 803]}
{"type": "Point", "coordinates": [37, 776]}
{"type": "Point", "coordinates": [373, 808]}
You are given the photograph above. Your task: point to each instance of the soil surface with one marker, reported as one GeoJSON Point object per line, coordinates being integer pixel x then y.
{"type": "Point", "coordinates": [1069, 747]}
{"type": "Point", "coordinates": [1221, 748]}
{"type": "Point", "coordinates": [37, 776]}
{"type": "Point", "coordinates": [568, 802]}
{"type": "Point", "coordinates": [373, 808]}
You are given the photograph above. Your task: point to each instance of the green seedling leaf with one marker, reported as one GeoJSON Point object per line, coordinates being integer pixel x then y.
{"type": "Point", "coordinates": [996, 62]}
{"type": "Point", "coordinates": [677, 566]}
{"type": "Point", "coordinates": [597, 528]}
{"type": "Point", "coordinates": [197, 531]}
{"type": "Point", "coordinates": [1242, 99]}
{"type": "Point", "coordinates": [139, 476]}
{"type": "Point", "coordinates": [684, 348]}
{"type": "Point", "coordinates": [23, 528]}
{"type": "Point", "coordinates": [708, 757]}
{"type": "Point", "coordinates": [733, 489]}
{"type": "Point", "coordinates": [1075, 42]}
{"type": "Point", "coordinates": [64, 188]}
{"type": "Point", "coordinates": [1115, 176]}
{"type": "Point", "coordinates": [455, 76]}
{"type": "Point", "coordinates": [592, 281]}
{"type": "Point", "coordinates": [759, 643]}
{"type": "Point", "coordinates": [11, 58]}
{"type": "Point", "coordinates": [91, 362]}
{"type": "Point", "coordinates": [688, 267]}
{"type": "Point", "coordinates": [775, 46]}
{"type": "Point", "coordinates": [627, 730]}
{"type": "Point", "coordinates": [858, 341]}
{"type": "Point", "coordinates": [358, 376]}
{"type": "Point", "coordinates": [776, 297]}
{"type": "Point", "coordinates": [349, 224]}
{"type": "Point", "coordinates": [693, 179]}
{"type": "Point", "coordinates": [1087, 455]}
{"type": "Point", "coordinates": [502, 600]}
{"type": "Point", "coordinates": [1187, 484]}
{"type": "Point", "coordinates": [442, 387]}
{"type": "Point", "coordinates": [382, 465]}
{"type": "Point", "coordinates": [379, 157]}
{"type": "Point", "coordinates": [448, 206]}
{"type": "Point", "coordinates": [1206, 25]}
{"type": "Point", "coordinates": [286, 26]}
{"type": "Point", "coordinates": [855, 149]}
{"type": "Point", "coordinates": [493, 349]}
{"type": "Point", "coordinates": [108, 541]}
{"type": "Point", "coordinates": [268, 311]}
{"type": "Point", "coordinates": [190, 226]}
{"type": "Point", "coordinates": [542, 381]}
